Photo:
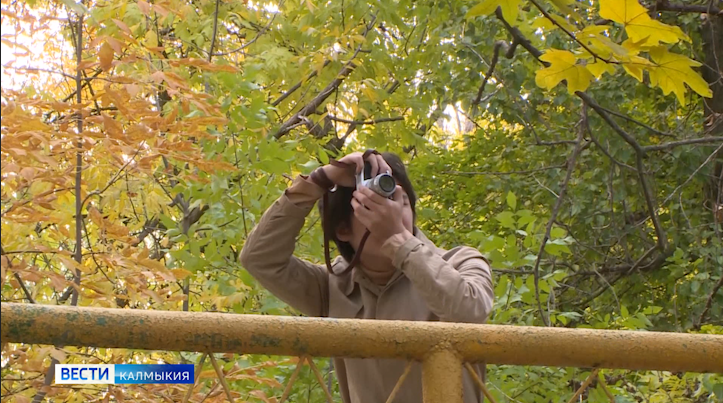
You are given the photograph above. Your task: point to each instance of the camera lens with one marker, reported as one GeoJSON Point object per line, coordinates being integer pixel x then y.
{"type": "Point", "coordinates": [387, 183]}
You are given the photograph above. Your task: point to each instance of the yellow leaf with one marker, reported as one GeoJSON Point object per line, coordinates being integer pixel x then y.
{"type": "Point", "coordinates": [594, 37]}
{"type": "Point", "coordinates": [599, 68]}
{"type": "Point", "coordinates": [151, 39]}
{"type": "Point", "coordinates": [632, 46]}
{"type": "Point", "coordinates": [638, 24]}
{"type": "Point", "coordinates": [560, 22]}
{"type": "Point", "coordinates": [672, 71]}
{"type": "Point", "coordinates": [562, 67]}
{"type": "Point", "coordinates": [510, 9]}
{"type": "Point", "coordinates": [635, 65]}
{"type": "Point", "coordinates": [105, 56]}
{"type": "Point", "coordinates": [543, 23]}
{"type": "Point", "coordinates": [180, 274]}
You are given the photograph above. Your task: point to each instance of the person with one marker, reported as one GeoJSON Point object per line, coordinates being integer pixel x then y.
{"type": "Point", "coordinates": [399, 275]}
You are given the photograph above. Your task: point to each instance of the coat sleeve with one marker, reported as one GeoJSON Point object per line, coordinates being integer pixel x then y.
{"type": "Point", "coordinates": [457, 289]}
{"type": "Point", "coordinates": [268, 252]}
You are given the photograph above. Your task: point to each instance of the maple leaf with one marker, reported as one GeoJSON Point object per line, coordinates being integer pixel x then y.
{"type": "Point", "coordinates": [635, 65]}
{"type": "Point", "coordinates": [563, 67]}
{"type": "Point", "coordinates": [672, 71]}
{"type": "Point", "coordinates": [599, 68]}
{"type": "Point", "coordinates": [510, 9]}
{"type": "Point", "coordinates": [638, 24]}
{"type": "Point", "coordinates": [594, 37]}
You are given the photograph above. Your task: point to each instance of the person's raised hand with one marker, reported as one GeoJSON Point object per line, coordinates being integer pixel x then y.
{"type": "Point", "coordinates": [347, 176]}
{"type": "Point", "coordinates": [381, 216]}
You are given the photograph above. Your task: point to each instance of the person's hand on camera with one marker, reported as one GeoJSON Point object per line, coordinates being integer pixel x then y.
{"type": "Point", "coordinates": [381, 216]}
{"type": "Point", "coordinates": [347, 176]}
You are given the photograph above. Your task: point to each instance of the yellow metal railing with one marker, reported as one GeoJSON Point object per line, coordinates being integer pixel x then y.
{"type": "Point", "coordinates": [443, 348]}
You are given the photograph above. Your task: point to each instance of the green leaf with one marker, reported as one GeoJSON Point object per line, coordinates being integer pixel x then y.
{"type": "Point", "coordinates": [557, 232]}
{"type": "Point", "coordinates": [511, 200]}
{"type": "Point", "coordinates": [718, 390]}
{"type": "Point", "coordinates": [507, 219]}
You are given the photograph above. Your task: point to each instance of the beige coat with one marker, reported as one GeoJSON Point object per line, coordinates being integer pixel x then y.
{"type": "Point", "coordinates": [431, 284]}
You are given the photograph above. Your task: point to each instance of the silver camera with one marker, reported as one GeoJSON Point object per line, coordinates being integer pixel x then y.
{"type": "Point", "coordinates": [383, 184]}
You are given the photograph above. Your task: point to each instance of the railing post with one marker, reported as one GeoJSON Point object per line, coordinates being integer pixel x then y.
{"type": "Point", "coordinates": [442, 377]}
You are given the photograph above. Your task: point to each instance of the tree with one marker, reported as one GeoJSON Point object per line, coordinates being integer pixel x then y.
{"type": "Point", "coordinates": [578, 145]}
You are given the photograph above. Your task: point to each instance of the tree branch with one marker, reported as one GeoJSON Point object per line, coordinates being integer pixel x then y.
{"type": "Point", "coordinates": [707, 160]}
{"type": "Point", "coordinates": [78, 163]}
{"type": "Point", "coordinates": [637, 122]}
{"type": "Point", "coordinates": [493, 63]}
{"type": "Point", "coordinates": [28, 296]}
{"type": "Point", "coordinates": [663, 5]}
{"type": "Point", "coordinates": [115, 179]}
{"type": "Point", "coordinates": [366, 122]}
{"type": "Point", "coordinates": [50, 374]}
{"type": "Point", "coordinates": [673, 144]}
{"type": "Point", "coordinates": [337, 143]}
{"type": "Point", "coordinates": [215, 31]}
{"type": "Point", "coordinates": [298, 85]}
{"type": "Point", "coordinates": [571, 35]}
{"type": "Point", "coordinates": [662, 239]}
{"type": "Point", "coordinates": [312, 106]}
{"type": "Point", "coordinates": [256, 38]}
{"type": "Point", "coordinates": [531, 171]}
{"type": "Point", "coordinates": [555, 210]}
{"type": "Point", "coordinates": [606, 117]}
{"type": "Point", "coordinates": [607, 154]}
{"type": "Point", "coordinates": [519, 38]}
{"type": "Point", "coordinates": [709, 303]}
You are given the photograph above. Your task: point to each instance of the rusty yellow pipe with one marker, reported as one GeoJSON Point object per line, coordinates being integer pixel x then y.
{"type": "Point", "coordinates": [255, 334]}
{"type": "Point", "coordinates": [442, 377]}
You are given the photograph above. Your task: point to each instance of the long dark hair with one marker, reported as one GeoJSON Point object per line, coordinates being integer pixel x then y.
{"type": "Point", "coordinates": [340, 210]}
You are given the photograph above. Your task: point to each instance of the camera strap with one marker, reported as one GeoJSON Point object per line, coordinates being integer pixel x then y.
{"type": "Point", "coordinates": [319, 177]}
